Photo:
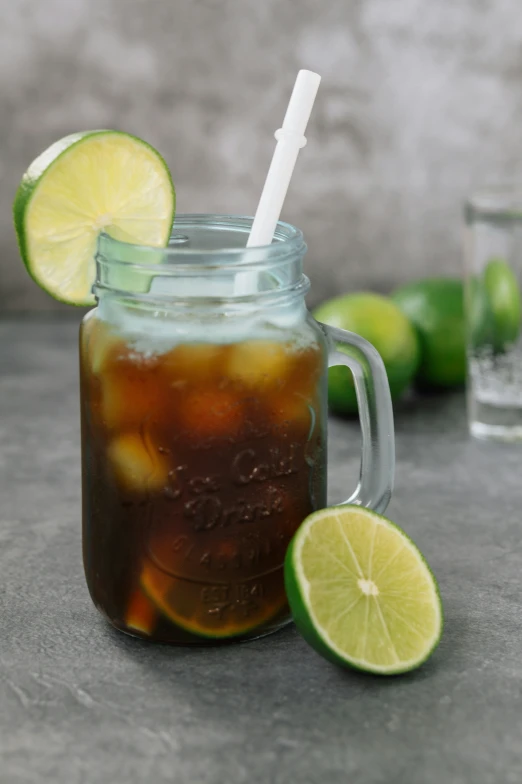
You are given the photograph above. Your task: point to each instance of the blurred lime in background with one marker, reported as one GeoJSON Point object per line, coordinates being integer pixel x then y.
{"type": "Point", "coordinates": [435, 307]}
{"type": "Point", "coordinates": [381, 322]}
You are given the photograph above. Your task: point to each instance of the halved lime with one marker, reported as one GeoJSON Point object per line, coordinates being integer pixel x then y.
{"type": "Point", "coordinates": [361, 593]}
{"type": "Point", "coordinates": [81, 185]}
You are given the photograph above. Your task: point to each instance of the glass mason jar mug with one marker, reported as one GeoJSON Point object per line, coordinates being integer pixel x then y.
{"type": "Point", "coordinates": [203, 402]}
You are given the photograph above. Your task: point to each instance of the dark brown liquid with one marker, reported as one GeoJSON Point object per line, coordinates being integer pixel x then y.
{"type": "Point", "coordinates": [198, 467]}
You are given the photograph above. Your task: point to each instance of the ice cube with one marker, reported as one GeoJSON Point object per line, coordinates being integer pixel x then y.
{"type": "Point", "coordinates": [193, 362]}
{"type": "Point", "coordinates": [295, 412]}
{"type": "Point", "coordinates": [132, 394]}
{"type": "Point", "coordinates": [99, 343]}
{"type": "Point", "coordinates": [137, 465]}
{"type": "Point", "coordinates": [258, 363]}
{"type": "Point", "coordinates": [211, 412]}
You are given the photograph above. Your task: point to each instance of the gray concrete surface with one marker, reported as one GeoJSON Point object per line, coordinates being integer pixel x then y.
{"type": "Point", "coordinates": [420, 102]}
{"type": "Point", "coordinates": [81, 703]}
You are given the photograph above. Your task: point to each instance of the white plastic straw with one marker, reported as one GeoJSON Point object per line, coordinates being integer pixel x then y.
{"type": "Point", "coordinates": [290, 139]}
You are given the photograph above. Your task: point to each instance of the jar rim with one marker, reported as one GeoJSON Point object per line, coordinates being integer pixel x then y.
{"type": "Point", "coordinates": [501, 199]}
{"type": "Point", "coordinates": [288, 242]}
{"type": "Point", "coordinates": [275, 270]}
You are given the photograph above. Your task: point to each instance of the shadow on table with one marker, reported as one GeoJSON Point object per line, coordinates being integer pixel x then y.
{"type": "Point", "coordinates": [287, 648]}
{"type": "Point", "coordinates": [140, 648]}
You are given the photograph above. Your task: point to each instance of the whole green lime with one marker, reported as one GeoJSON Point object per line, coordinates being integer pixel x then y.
{"type": "Point", "coordinates": [435, 307]}
{"type": "Point", "coordinates": [381, 322]}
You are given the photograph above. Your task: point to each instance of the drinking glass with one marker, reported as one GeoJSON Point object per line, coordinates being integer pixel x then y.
{"type": "Point", "coordinates": [493, 274]}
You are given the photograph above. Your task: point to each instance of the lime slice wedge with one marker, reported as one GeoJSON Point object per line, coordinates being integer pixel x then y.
{"type": "Point", "coordinates": [181, 602]}
{"type": "Point", "coordinates": [81, 185]}
{"type": "Point", "coordinates": [361, 593]}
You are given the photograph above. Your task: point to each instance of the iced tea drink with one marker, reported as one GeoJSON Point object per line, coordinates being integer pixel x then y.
{"type": "Point", "coordinates": [204, 429]}
{"type": "Point", "coordinates": [201, 462]}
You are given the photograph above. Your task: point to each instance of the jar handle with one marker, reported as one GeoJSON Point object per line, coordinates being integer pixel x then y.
{"type": "Point", "coordinates": [375, 413]}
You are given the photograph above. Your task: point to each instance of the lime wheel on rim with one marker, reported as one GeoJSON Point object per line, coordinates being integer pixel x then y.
{"type": "Point", "coordinates": [81, 185]}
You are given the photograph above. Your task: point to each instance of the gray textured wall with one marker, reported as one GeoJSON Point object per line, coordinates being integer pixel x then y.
{"type": "Point", "coordinates": [420, 102]}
